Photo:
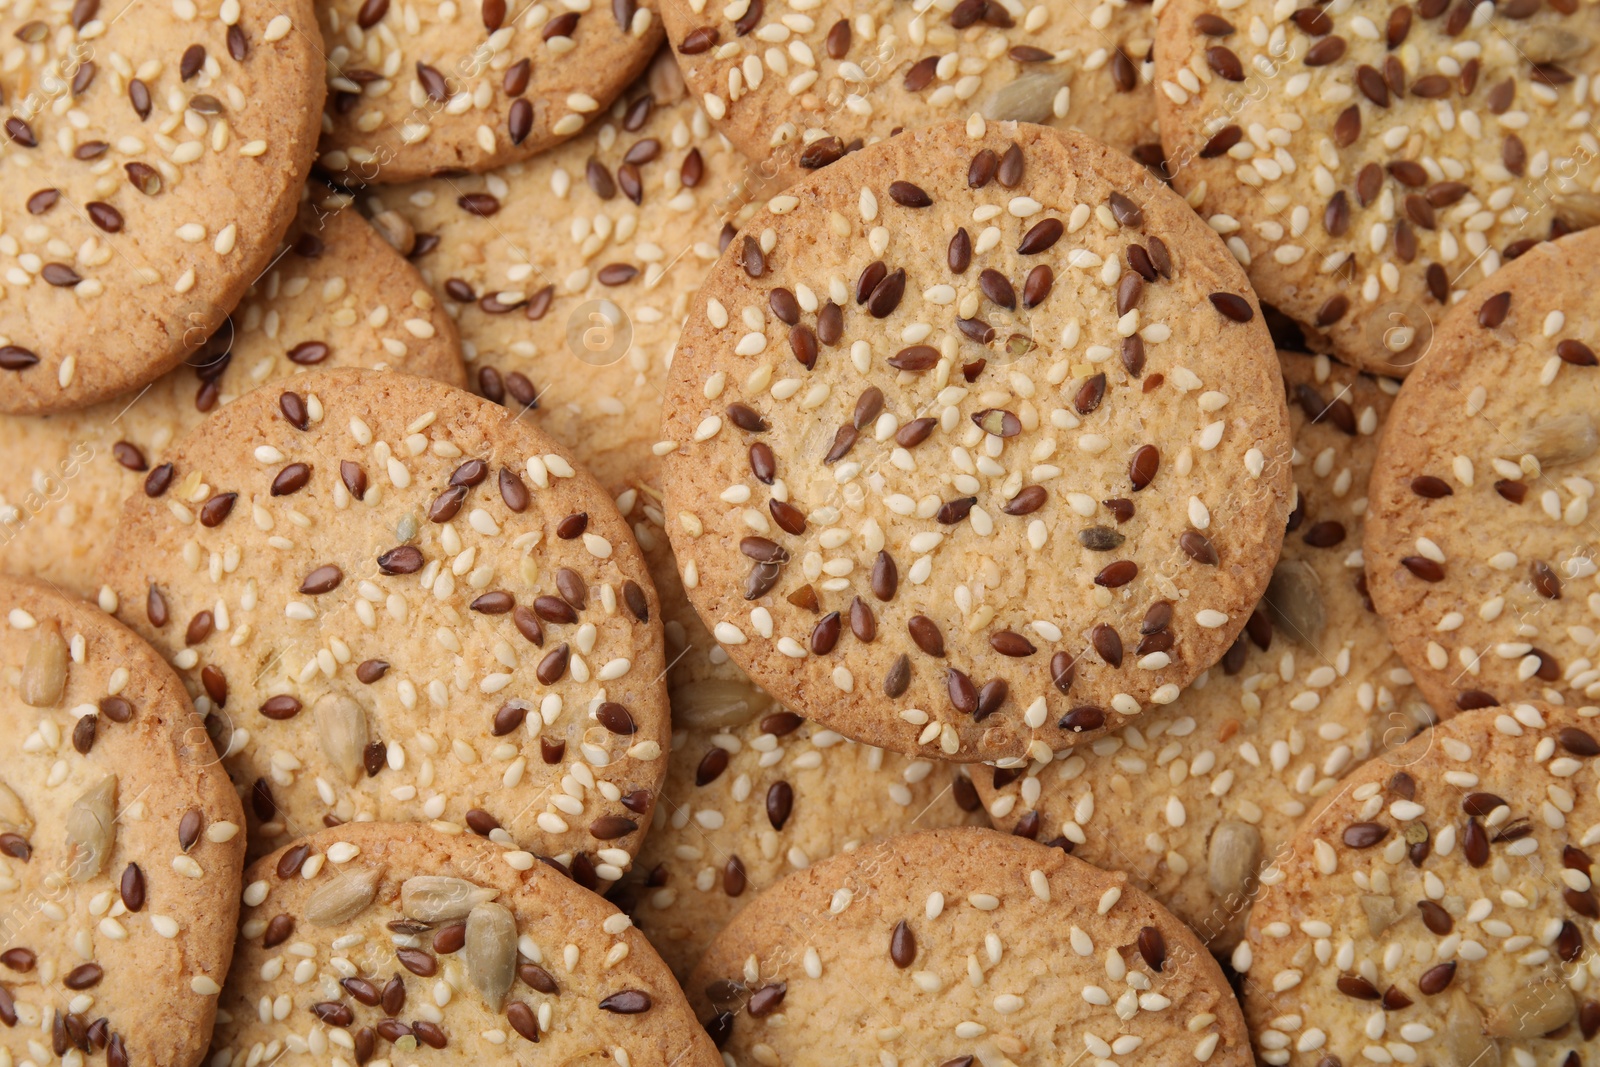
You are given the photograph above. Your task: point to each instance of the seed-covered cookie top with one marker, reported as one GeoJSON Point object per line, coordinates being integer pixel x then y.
{"type": "Point", "coordinates": [397, 602]}
{"type": "Point", "coordinates": [415, 91]}
{"type": "Point", "coordinates": [1439, 909]}
{"type": "Point", "coordinates": [570, 274]}
{"type": "Point", "coordinates": [152, 159]}
{"type": "Point", "coordinates": [1480, 545]}
{"type": "Point", "coordinates": [963, 946]}
{"type": "Point", "coordinates": [121, 843]}
{"type": "Point", "coordinates": [397, 944]}
{"type": "Point", "coordinates": [336, 296]}
{"type": "Point", "coordinates": [1368, 161]}
{"type": "Point", "coordinates": [800, 83]}
{"type": "Point", "coordinates": [961, 430]}
{"type": "Point", "coordinates": [1192, 800]}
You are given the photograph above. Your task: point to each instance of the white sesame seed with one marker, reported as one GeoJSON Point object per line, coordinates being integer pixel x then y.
{"type": "Point", "coordinates": [1108, 899]}
{"type": "Point", "coordinates": [342, 852]}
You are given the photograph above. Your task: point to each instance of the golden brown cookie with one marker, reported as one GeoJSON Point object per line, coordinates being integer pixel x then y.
{"type": "Point", "coordinates": [1480, 545]}
{"type": "Point", "coordinates": [152, 160]}
{"type": "Point", "coordinates": [1370, 161]}
{"type": "Point", "coordinates": [398, 602]}
{"type": "Point", "coordinates": [1439, 908]}
{"type": "Point", "coordinates": [1193, 799]}
{"type": "Point", "coordinates": [959, 423]}
{"type": "Point", "coordinates": [797, 84]}
{"type": "Point", "coordinates": [418, 91]}
{"type": "Point", "coordinates": [337, 295]}
{"type": "Point", "coordinates": [386, 943]}
{"type": "Point", "coordinates": [963, 946]}
{"type": "Point", "coordinates": [121, 844]}
{"type": "Point", "coordinates": [570, 274]}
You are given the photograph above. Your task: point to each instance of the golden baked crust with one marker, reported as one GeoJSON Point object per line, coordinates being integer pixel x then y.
{"type": "Point", "coordinates": [421, 611]}
{"type": "Point", "coordinates": [121, 843]}
{"type": "Point", "coordinates": [927, 483]}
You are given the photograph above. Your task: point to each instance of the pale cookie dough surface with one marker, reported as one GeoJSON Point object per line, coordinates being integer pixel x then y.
{"type": "Point", "coordinates": [153, 157]}
{"type": "Point", "coordinates": [416, 90]}
{"type": "Point", "coordinates": [121, 844]}
{"type": "Point", "coordinates": [401, 945]}
{"type": "Point", "coordinates": [963, 946]}
{"type": "Point", "coordinates": [336, 296]}
{"type": "Point", "coordinates": [943, 539]}
{"type": "Point", "coordinates": [482, 653]}
{"type": "Point", "coordinates": [569, 275]}
{"type": "Point", "coordinates": [1370, 160]}
{"type": "Point", "coordinates": [1192, 800]}
{"type": "Point", "coordinates": [1439, 910]}
{"type": "Point", "coordinates": [1480, 549]}
{"type": "Point", "coordinates": [799, 83]}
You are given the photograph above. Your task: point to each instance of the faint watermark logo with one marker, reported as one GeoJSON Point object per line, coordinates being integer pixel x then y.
{"type": "Point", "coordinates": [208, 349]}
{"type": "Point", "coordinates": [200, 741]}
{"type": "Point", "coordinates": [1401, 331]}
{"type": "Point", "coordinates": [599, 333]}
{"type": "Point", "coordinates": [1011, 342]}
